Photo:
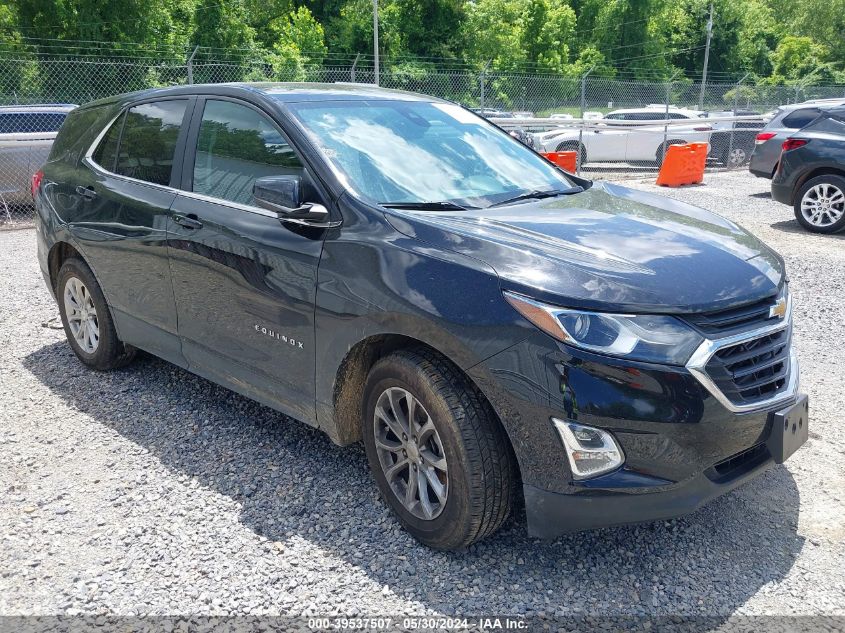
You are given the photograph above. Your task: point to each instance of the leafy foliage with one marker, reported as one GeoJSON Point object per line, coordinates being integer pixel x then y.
{"type": "Point", "coordinates": [776, 41]}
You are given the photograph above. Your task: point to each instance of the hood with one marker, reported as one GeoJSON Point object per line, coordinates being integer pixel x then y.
{"type": "Point", "coordinates": [609, 248]}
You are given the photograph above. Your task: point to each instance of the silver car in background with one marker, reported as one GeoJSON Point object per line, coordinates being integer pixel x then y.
{"type": "Point", "coordinates": [786, 120]}
{"type": "Point", "coordinates": [27, 133]}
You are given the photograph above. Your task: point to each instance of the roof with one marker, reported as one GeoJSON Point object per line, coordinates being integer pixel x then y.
{"type": "Point", "coordinates": [39, 107]}
{"type": "Point", "coordinates": [656, 107]}
{"type": "Point", "coordinates": [279, 91]}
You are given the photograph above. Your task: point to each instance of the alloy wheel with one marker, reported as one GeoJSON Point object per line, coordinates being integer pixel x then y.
{"type": "Point", "coordinates": [736, 157]}
{"type": "Point", "coordinates": [411, 453]}
{"type": "Point", "coordinates": [823, 204]}
{"type": "Point", "coordinates": [81, 315]}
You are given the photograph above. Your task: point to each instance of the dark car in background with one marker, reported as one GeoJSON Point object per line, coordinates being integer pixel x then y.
{"type": "Point", "coordinates": [811, 173]}
{"type": "Point", "coordinates": [732, 142]}
{"type": "Point", "coordinates": [785, 121]}
{"type": "Point", "coordinates": [392, 268]}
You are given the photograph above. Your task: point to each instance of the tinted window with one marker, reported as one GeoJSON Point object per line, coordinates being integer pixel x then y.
{"type": "Point", "coordinates": [236, 145]}
{"type": "Point", "coordinates": [149, 141]}
{"type": "Point", "coordinates": [800, 118]}
{"type": "Point", "coordinates": [29, 122]}
{"type": "Point", "coordinates": [615, 117]}
{"type": "Point", "coordinates": [106, 152]}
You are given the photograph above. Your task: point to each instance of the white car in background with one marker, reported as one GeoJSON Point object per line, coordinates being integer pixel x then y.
{"type": "Point", "coordinates": [601, 142]}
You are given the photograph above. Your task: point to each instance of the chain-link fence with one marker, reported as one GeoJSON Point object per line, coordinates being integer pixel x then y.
{"type": "Point", "coordinates": [605, 120]}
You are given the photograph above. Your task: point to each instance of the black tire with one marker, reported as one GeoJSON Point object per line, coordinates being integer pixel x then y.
{"type": "Point", "coordinates": [573, 146]}
{"type": "Point", "coordinates": [834, 182]}
{"type": "Point", "coordinates": [110, 352]}
{"type": "Point", "coordinates": [481, 472]}
{"type": "Point", "coordinates": [658, 158]}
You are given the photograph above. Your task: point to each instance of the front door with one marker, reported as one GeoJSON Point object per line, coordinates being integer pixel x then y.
{"type": "Point", "coordinates": [244, 282]}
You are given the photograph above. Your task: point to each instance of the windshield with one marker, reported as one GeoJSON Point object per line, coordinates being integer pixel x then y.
{"type": "Point", "coordinates": [417, 152]}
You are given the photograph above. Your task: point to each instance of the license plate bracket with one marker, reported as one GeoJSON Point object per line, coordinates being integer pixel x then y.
{"type": "Point", "coordinates": [789, 429]}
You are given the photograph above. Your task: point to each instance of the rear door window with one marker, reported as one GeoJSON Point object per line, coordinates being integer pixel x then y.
{"type": "Point", "coordinates": [800, 118]}
{"type": "Point", "coordinates": [106, 153]}
{"type": "Point", "coordinates": [149, 138]}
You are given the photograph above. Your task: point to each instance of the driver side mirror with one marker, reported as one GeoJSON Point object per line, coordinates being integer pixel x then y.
{"type": "Point", "coordinates": [283, 196]}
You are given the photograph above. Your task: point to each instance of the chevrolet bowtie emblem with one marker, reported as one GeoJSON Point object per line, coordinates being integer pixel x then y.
{"type": "Point", "coordinates": [778, 310]}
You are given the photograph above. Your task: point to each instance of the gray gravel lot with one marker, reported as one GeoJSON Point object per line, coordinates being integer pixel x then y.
{"type": "Point", "coordinates": [152, 491]}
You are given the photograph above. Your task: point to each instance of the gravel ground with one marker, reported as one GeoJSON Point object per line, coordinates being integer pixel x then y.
{"type": "Point", "coordinates": [152, 491]}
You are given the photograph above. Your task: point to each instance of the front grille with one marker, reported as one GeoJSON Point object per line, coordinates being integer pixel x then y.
{"type": "Point", "coordinates": [750, 315]}
{"type": "Point", "coordinates": [754, 370]}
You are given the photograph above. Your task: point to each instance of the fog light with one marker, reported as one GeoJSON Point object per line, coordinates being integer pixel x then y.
{"type": "Point", "coordinates": [591, 451]}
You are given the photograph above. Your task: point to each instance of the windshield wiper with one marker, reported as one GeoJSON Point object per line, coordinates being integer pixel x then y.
{"type": "Point", "coordinates": [443, 205]}
{"type": "Point", "coordinates": [537, 195]}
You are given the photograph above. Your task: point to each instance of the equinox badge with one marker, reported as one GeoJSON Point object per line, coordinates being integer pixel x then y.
{"type": "Point", "coordinates": [279, 337]}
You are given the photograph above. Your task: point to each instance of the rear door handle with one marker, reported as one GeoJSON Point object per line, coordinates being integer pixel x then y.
{"type": "Point", "coordinates": [86, 192]}
{"type": "Point", "coordinates": [189, 221]}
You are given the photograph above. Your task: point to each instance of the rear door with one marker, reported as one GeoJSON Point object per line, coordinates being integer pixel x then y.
{"type": "Point", "coordinates": [118, 208]}
{"type": "Point", "coordinates": [244, 282]}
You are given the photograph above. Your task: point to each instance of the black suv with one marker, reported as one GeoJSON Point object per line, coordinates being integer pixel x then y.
{"type": "Point", "coordinates": [392, 268]}
{"type": "Point", "coordinates": [810, 175]}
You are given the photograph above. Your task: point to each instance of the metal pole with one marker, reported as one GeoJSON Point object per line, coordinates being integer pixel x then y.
{"type": "Point", "coordinates": [666, 115]}
{"type": "Point", "coordinates": [354, 64]}
{"type": "Point", "coordinates": [191, 65]}
{"type": "Point", "coordinates": [581, 129]}
{"type": "Point", "coordinates": [706, 59]}
{"type": "Point", "coordinates": [375, 39]}
{"type": "Point", "coordinates": [733, 123]}
{"type": "Point", "coordinates": [484, 80]}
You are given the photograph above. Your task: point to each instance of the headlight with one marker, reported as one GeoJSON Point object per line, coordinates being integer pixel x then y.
{"type": "Point", "coordinates": [648, 338]}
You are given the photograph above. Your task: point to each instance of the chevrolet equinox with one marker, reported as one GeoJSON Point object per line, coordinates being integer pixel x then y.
{"type": "Point", "coordinates": [392, 268]}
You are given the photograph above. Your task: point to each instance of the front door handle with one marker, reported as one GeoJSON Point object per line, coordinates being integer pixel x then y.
{"type": "Point", "coordinates": [189, 221]}
{"type": "Point", "coordinates": [86, 192]}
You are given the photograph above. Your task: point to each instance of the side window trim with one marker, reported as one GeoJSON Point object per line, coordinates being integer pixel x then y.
{"type": "Point", "coordinates": [189, 160]}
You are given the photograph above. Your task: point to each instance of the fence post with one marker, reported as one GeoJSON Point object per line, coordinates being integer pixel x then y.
{"type": "Point", "coordinates": [581, 129]}
{"type": "Point", "coordinates": [354, 65]}
{"type": "Point", "coordinates": [482, 77]}
{"type": "Point", "coordinates": [733, 123]}
{"type": "Point", "coordinates": [190, 65]}
{"type": "Point", "coordinates": [666, 115]}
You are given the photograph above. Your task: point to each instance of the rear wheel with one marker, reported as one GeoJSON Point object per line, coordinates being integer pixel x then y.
{"type": "Point", "coordinates": [438, 454]}
{"type": "Point", "coordinates": [736, 157]}
{"type": "Point", "coordinates": [820, 204]}
{"type": "Point", "coordinates": [86, 318]}
{"type": "Point", "coordinates": [574, 146]}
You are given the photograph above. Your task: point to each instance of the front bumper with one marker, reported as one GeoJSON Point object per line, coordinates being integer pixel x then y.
{"type": "Point", "coordinates": [551, 514]}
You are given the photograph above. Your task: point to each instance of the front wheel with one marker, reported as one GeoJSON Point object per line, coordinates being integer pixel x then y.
{"type": "Point", "coordinates": [820, 204]}
{"type": "Point", "coordinates": [574, 146]}
{"type": "Point", "coordinates": [86, 318]}
{"type": "Point", "coordinates": [438, 454]}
